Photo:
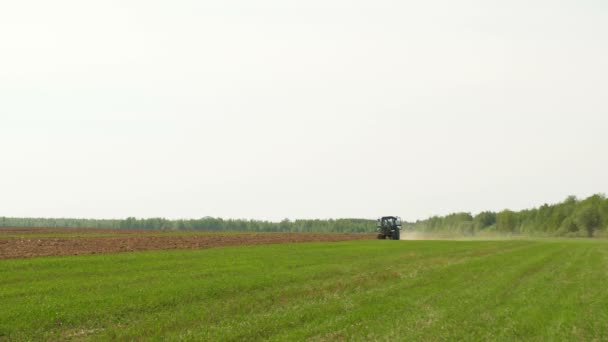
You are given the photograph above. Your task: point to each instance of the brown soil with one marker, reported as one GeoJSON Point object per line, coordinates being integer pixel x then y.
{"type": "Point", "coordinates": [23, 247]}
{"type": "Point", "coordinates": [37, 231]}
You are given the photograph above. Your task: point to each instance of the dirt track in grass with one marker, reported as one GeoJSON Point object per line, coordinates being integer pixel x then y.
{"type": "Point", "coordinates": [130, 241]}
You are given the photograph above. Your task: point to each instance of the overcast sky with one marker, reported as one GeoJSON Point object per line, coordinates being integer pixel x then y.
{"type": "Point", "coordinates": [301, 109]}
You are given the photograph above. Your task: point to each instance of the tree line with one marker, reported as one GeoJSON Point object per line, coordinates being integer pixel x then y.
{"type": "Point", "coordinates": [570, 218]}
{"type": "Point", "coordinates": [206, 223]}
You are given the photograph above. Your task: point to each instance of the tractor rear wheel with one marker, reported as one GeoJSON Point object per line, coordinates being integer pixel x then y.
{"type": "Point", "coordinates": [380, 236]}
{"type": "Point", "coordinates": [396, 235]}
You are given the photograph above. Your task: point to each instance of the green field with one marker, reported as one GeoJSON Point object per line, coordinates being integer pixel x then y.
{"type": "Point", "coordinates": [360, 290]}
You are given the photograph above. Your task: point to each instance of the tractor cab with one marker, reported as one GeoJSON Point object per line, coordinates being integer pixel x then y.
{"type": "Point", "coordinates": [389, 227]}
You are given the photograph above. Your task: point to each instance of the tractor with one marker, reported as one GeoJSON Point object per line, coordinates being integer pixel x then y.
{"type": "Point", "coordinates": [389, 227]}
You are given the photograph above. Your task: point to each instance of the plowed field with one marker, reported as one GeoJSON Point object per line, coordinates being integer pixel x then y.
{"type": "Point", "coordinates": [129, 241]}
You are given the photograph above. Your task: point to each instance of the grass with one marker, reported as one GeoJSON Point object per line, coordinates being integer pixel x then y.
{"type": "Point", "coordinates": [360, 290]}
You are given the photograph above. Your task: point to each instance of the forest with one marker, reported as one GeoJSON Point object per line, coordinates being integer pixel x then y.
{"type": "Point", "coordinates": [206, 223]}
{"type": "Point", "coordinates": [571, 218]}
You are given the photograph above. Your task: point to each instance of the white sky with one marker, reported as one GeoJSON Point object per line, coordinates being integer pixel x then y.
{"type": "Point", "coordinates": [302, 109]}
